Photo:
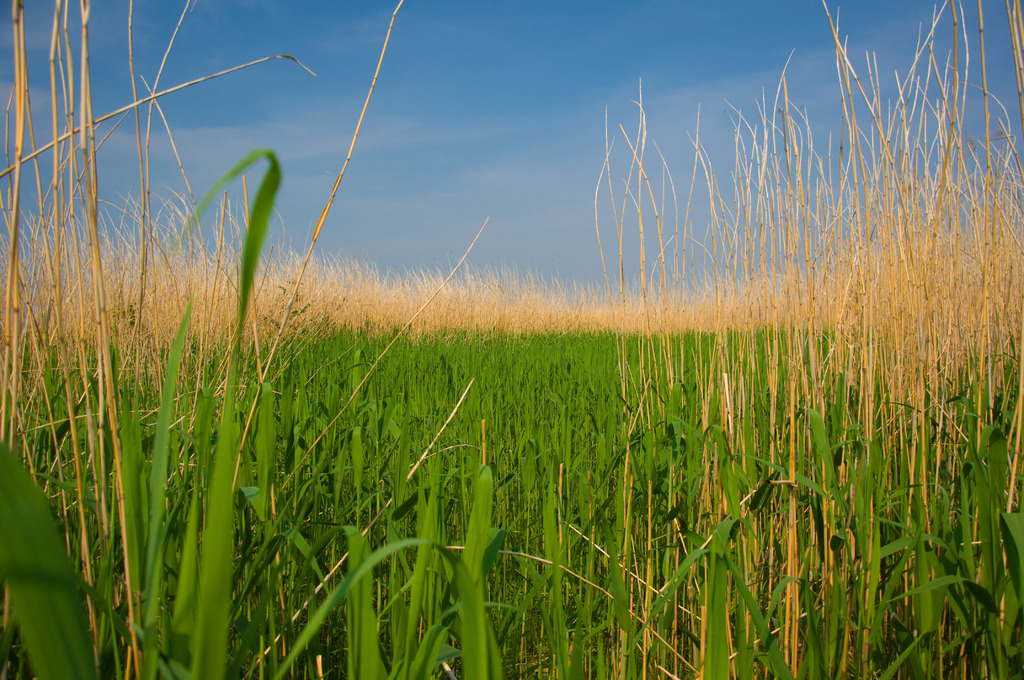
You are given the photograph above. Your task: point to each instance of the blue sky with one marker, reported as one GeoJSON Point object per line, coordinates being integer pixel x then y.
{"type": "Point", "coordinates": [492, 109]}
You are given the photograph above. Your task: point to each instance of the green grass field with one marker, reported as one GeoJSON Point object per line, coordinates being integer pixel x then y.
{"type": "Point", "coordinates": [600, 536]}
{"type": "Point", "coordinates": [214, 465]}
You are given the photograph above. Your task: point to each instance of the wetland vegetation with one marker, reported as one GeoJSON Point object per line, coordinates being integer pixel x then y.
{"type": "Point", "coordinates": [808, 465]}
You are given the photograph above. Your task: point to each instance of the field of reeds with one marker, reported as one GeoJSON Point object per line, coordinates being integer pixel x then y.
{"type": "Point", "coordinates": [218, 461]}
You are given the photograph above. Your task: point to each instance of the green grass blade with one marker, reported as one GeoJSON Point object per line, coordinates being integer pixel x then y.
{"type": "Point", "coordinates": [215, 587]}
{"type": "Point", "coordinates": [157, 495]}
{"type": "Point", "coordinates": [776, 662]}
{"type": "Point", "coordinates": [1013, 539]}
{"type": "Point", "coordinates": [259, 222]}
{"type": "Point", "coordinates": [479, 652]}
{"type": "Point", "coordinates": [479, 523]}
{"type": "Point", "coordinates": [480, 656]}
{"type": "Point", "coordinates": [215, 571]}
{"type": "Point", "coordinates": [259, 217]}
{"type": "Point", "coordinates": [425, 661]}
{"type": "Point", "coordinates": [363, 652]}
{"type": "Point", "coordinates": [896, 665]}
{"type": "Point", "coordinates": [266, 451]}
{"type": "Point", "coordinates": [337, 595]}
{"type": "Point", "coordinates": [716, 659]}
{"type": "Point", "coordinates": [179, 646]}
{"type": "Point", "coordinates": [427, 515]}
{"type": "Point", "coordinates": [40, 579]}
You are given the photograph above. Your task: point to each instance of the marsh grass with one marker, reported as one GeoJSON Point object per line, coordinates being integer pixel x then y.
{"type": "Point", "coordinates": [789, 450]}
{"type": "Point", "coordinates": [888, 278]}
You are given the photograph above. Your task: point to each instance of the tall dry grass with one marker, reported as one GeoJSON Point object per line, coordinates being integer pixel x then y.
{"type": "Point", "coordinates": [903, 228]}
{"type": "Point", "coordinates": [885, 268]}
{"type": "Point", "coordinates": [904, 237]}
{"type": "Point", "coordinates": [348, 293]}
